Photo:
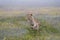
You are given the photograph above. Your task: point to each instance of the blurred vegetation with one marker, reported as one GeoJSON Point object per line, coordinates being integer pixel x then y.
{"type": "Point", "coordinates": [46, 31]}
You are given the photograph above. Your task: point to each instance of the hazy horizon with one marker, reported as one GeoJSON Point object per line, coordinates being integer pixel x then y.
{"type": "Point", "coordinates": [29, 3]}
{"type": "Point", "coordinates": [11, 7]}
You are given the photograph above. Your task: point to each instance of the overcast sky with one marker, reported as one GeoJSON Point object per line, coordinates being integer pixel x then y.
{"type": "Point", "coordinates": [30, 3]}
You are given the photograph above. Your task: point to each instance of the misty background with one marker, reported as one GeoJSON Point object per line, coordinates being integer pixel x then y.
{"type": "Point", "coordinates": [8, 7]}
{"type": "Point", "coordinates": [29, 3]}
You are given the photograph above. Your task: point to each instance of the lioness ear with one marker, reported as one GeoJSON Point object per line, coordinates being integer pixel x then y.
{"type": "Point", "coordinates": [31, 14]}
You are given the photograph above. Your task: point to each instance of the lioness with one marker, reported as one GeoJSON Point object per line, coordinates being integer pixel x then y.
{"type": "Point", "coordinates": [32, 21]}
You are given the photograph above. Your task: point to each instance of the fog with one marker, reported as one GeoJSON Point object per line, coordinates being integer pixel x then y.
{"type": "Point", "coordinates": [30, 3]}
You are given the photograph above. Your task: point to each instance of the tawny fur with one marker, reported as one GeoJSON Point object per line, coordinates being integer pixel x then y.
{"type": "Point", "coordinates": [33, 22]}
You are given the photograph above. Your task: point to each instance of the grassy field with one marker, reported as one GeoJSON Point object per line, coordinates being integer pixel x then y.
{"type": "Point", "coordinates": [17, 28]}
{"type": "Point", "coordinates": [14, 26]}
{"type": "Point", "coordinates": [40, 10]}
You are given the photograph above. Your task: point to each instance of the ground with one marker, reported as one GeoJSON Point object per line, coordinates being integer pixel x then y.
{"type": "Point", "coordinates": [17, 28]}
